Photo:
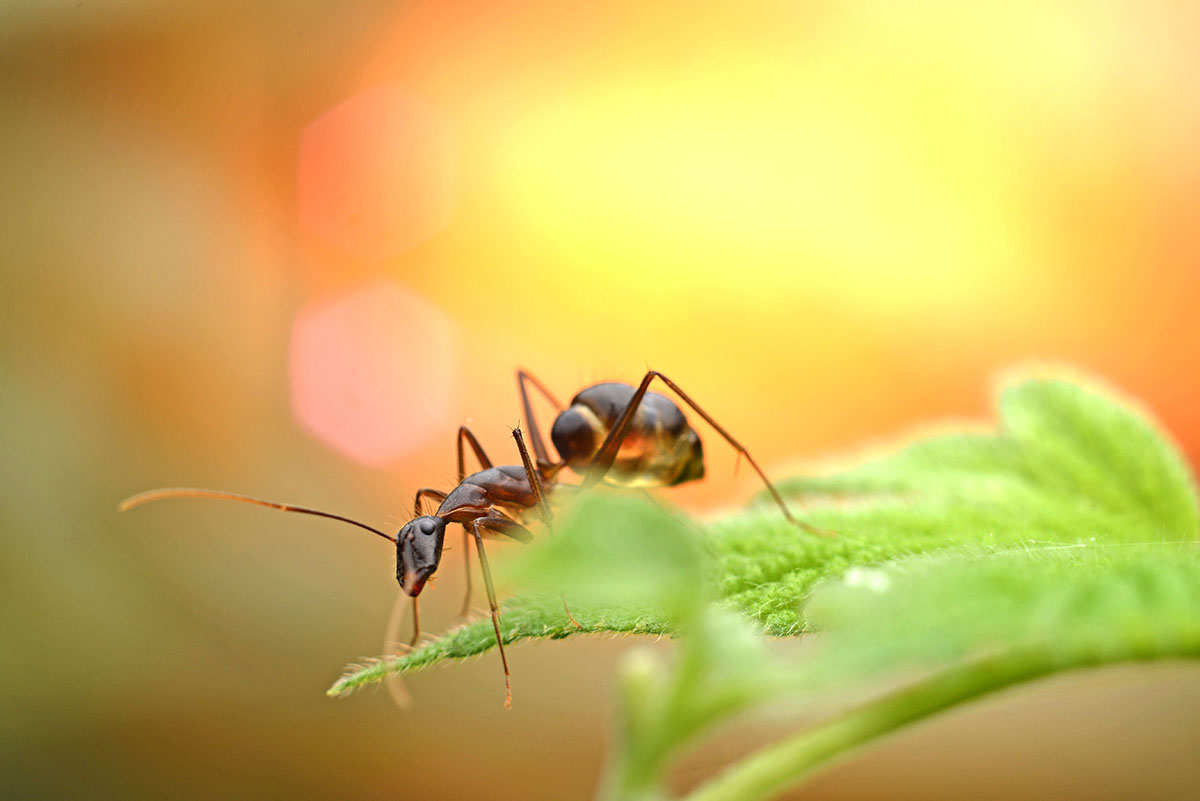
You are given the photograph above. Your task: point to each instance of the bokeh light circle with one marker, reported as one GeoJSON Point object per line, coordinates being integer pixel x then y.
{"type": "Point", "coordinates": [372, 373]}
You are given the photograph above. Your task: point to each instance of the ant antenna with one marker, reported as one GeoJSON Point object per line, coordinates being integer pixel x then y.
{"type": "Point", "coordinates": [187, 492]}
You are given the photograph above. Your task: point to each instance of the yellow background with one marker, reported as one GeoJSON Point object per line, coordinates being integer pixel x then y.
{"type": "Point", "coordinates": [286, 248]}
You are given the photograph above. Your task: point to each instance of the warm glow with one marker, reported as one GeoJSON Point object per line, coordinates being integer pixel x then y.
{"type": "Point", "coordinates": [715, 183]}
{"type": "Point", "coordinates": [377, 174]}
{"type": "Point", "coordinates": [287, 248]}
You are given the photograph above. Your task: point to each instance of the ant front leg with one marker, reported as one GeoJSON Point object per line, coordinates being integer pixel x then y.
{"type": "Point", "coordinates": [439, 496]}
{"type": "Point", "coordinates": [391, 636]}
{"type": "Point", "coordinates": [464, 434]}
{"type": "Point", "coordinates": [500, 525]}
{"type": "Point", "coordinates": [603, 460]}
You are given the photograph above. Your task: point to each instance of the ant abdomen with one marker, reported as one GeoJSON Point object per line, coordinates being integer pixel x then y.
{"type": "Point", "coordinates": [658, 449]}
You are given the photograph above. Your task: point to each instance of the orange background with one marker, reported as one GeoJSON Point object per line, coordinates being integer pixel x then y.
{"type": "Point", "coordinates": [286, 249]}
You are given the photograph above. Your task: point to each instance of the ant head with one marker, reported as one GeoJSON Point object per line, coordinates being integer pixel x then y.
{"type": "Point", "coordinates": [418, 551]}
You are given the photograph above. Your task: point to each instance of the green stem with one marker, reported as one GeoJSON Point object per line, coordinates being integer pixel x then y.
{"type": "Point", "coordinates": [772, 769]}
{"type": "Point", "coordinates": [652, 710]}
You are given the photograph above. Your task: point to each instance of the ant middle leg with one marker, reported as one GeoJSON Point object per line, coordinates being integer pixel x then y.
{"type": "Point", "coordinates": [603, 460]}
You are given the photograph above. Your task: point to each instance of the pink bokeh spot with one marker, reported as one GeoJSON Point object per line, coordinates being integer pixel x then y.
{"type": "Point", "coordinates": [372, 373]}
{"type": "Point", "coordinates": [377, 174]}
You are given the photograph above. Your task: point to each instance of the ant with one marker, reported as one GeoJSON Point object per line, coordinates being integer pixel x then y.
{"type": "Point", "coordinates": [630, 437]}
{"type": "Point", "coordinates": [494, 500]}
{"type": "Point", "coordinates": [644, 441]}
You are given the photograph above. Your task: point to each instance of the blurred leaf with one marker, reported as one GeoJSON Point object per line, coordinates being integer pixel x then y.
{"type": "Point", "coordinates": [720, 669]}
{"type": "Point", "coordinates": [623, 552]}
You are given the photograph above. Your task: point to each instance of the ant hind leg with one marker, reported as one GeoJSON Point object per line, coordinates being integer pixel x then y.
{"type": "Point", "coordinates": [603, 460]}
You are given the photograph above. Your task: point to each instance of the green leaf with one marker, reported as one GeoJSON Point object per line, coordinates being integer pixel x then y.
{"type": "Point", "coordinates": [1068, 457]}
{"type": "Point", "coordinates": [1069, 463]}
{"type": "Point", "coordinates": [1094, 602]}
{"type": "Point", "coordinates": [970, 624]}
{"type": "Point", "coordinates": [620, 553]}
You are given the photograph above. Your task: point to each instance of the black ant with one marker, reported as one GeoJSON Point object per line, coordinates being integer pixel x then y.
{"type": "Point", "coordinates": [645, 441]}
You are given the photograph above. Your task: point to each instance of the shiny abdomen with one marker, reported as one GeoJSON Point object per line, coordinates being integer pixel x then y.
{"type": "Point", "coordinates": [659, 449]}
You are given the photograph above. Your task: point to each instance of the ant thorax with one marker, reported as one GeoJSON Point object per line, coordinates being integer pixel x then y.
{"type": "Point", "coordinates": [503, 489]}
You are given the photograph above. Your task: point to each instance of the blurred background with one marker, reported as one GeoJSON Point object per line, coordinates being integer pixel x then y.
{"type": "Point", "coordinates": [285, 248]}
